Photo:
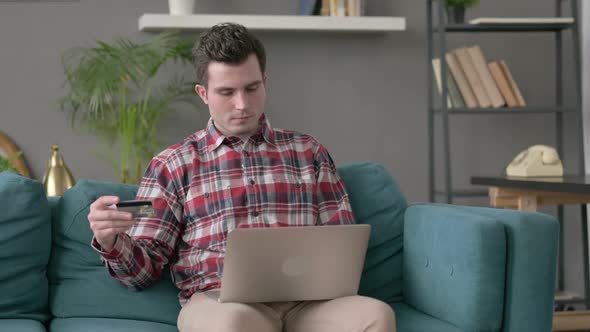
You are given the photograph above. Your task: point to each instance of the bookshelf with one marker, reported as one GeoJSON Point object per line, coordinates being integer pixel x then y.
{"type": "Point", "coordinates": [438, 31]}
{"type": "Point", "coordinates": [360, 24]}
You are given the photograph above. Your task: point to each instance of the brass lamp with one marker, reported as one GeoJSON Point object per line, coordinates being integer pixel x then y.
{"type": "Point", "coordinates": [57, 178]}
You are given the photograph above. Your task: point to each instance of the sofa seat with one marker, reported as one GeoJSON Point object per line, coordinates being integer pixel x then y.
{"type": "Point", "coordinates": [21, 325]}
{"type": "Point", "coordinates": [107, 324]}
{"type": "Point", "coordinates": [409, 319]}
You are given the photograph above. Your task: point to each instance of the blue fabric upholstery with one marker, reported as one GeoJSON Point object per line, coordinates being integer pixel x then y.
{"type": "Point", "coordinates": [454, 266]}
{"type": "Point", "coordinates": [21, 325]}
{"type": "Point", "coordinates": [463, 268]}
{"type": "Point", "coordinates": [80, 285]}
{"type": "Point", "coordinates": [408, 319]}
{"type": "Point", "coordinates": [25, 244]}
{"type": "Point", "coordinates": [531, 242]}
{"type": "Point", "coordinates": [377, 200]}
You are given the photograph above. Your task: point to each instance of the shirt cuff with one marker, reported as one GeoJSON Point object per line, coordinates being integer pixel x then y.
{"type": "Point", "coordinates": [116, 252]}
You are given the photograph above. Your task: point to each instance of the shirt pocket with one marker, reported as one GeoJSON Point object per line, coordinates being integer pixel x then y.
{"type": "Point", "coordinates": [295, 199]}
{"type": "Point", "coordinates": [209, 201]}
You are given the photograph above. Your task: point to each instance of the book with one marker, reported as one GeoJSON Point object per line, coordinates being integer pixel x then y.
{"type": "Point", "coordinates": [488, 83]}
{"type": "Point", "coordinates": [307, 7]}
{"type": "Point", "coordinates": [464, 59]}
{"type": "Point", "coordinates": [325, 9]}
{"type": "Point", "coordinates": [502, 83]}
{"type": "Point", "coordinates": [438, 78]}
{"type": "Point", "coordinates": [454, 93]}
{"type": "Point", "coordinates": [353, 7]}
{"type": "Point", "coordinates": [521, 20]}
{"type": "Point", "coordinates": [461, 80]}
{"type": "Point", "coordinates": [512, 82]}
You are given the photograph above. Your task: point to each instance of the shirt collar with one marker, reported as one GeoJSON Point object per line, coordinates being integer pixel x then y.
{"type": "Point", "coordinates": [216, 138]}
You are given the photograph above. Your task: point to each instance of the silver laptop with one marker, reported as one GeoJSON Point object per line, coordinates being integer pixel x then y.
{"type": "Point", "coordinates": [293, 263]}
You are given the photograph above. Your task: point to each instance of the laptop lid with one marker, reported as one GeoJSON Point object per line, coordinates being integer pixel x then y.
{"type": "Point", "coordinates": [293, 263]}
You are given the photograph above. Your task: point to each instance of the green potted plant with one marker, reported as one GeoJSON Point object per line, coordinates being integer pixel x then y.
{"type": "Point", "coordinates": [112, 93]}
{"type": "Point", "coordinates": [456, 9]}
{"type": "Point", "coordinates": [6, 163]}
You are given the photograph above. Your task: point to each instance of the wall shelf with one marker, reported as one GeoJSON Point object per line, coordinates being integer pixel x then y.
{"type": "Point", "coordinates": [363, 24]}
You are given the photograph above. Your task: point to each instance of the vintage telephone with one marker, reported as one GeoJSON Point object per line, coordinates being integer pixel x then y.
{"type": "Point", "coordinates": [537, 160]}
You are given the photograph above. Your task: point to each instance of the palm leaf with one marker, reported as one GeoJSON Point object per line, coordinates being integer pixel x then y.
{"type": "Point", "coordinates": [110, 94]}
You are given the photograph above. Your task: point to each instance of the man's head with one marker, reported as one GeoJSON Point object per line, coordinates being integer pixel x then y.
{"type": "Point", "coordinates": [230, 63]}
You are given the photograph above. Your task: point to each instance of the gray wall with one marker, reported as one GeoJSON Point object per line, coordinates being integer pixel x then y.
{"type": "Point", "coordinates": [363, 96]}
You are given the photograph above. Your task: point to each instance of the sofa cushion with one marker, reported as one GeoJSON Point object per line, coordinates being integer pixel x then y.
{"type": "Point", "coordinates": [377, 200]}
{"type": "Point", "coordinates": [408, 319]}
{"type": "Point", "coordinates": [80, 286]}
{"type": "Point", "coordinates": [107, 324]}
{"type": "Point", "coordinates": [25, 244]}
{"type": "Point", "coordinates": [21, 325]}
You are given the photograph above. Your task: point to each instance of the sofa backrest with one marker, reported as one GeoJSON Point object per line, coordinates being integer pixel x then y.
{"type": "Point", "coordinates": [80, 286]}
{"type": "Point", "coordinates": [25, 244]}
{"type": "Point", "coordinates": [376, 200]}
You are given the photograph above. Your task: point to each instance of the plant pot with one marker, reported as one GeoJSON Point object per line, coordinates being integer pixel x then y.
{"type": "Point", "coordinates": [181, 7]}
{"type": "Point", "coordinates": [456, 14]}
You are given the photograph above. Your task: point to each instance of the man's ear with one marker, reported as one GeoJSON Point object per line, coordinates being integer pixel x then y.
{"type": "Point", "coordinates": [202, 92]}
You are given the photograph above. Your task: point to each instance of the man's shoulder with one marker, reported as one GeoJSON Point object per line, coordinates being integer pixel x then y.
{"type": "Point", "coordinates": [194, 143]}
{"type": "Point", "coordinates": [287, 137]}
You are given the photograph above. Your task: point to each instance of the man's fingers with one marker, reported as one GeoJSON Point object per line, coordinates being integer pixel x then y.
{"type": "Point", "coordinates": [110, 215]}
{"type": "Point", "coordinates": [104, 202]}
{"type": "Point", "coordinates": [102, 225]}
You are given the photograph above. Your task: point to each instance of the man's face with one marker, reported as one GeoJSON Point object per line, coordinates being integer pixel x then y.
{"type": "Point", "coordinates": [236, 96]}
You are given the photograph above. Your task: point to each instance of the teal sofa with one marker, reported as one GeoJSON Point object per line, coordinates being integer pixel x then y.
{"type": "Point", "coordinates": [443, 268]}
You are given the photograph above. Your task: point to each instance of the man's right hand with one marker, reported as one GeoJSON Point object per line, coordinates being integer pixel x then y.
{"type": "Point", "coordinates": [106, 222]}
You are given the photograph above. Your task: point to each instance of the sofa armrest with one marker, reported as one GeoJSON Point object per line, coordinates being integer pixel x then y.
{"type": "Point", "coordinates": [532, 240]}
{"type": "Point", "coordinates": [480, 268]}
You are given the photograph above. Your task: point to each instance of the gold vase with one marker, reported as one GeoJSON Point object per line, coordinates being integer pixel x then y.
{"type": "Point", "coordinates": [57, 178]}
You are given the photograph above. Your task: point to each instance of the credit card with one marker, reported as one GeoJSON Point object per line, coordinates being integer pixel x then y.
{"type": "Point", "coordinates": [139, 209]}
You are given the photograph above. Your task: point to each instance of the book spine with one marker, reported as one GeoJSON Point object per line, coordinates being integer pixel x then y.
{"type": "Point", "coordinates": [502, 83]}
{"type": "Point", "coordinates": [485, 76]}
{"type": "Point", "coordinates": [513, 85]}
{"type": "Point", "coordinates": [461, 80]}
{"type": "Point", "coordinates": [436, 67]}
{"type": "Point", "coordinates": [466, 64]}
{"type": "Point", "coordinates": [454, 93]}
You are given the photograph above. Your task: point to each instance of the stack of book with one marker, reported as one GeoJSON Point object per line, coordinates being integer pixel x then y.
{"type": "Point", "coordinates": [332, 7]}
{"type": "Point", "coordinates": [473, 82]}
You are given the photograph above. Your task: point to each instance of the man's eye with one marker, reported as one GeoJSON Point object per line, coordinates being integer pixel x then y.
{"type": "Point", "coordinates": [225, 93]}
{"type": "Point", "coordinates": [252, 88]}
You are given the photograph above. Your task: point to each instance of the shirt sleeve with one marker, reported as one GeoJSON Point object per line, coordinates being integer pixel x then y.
{"type": "Point", "coordinates": [138, 257]}
{"type": "Point", "coordinates": [333, 204]}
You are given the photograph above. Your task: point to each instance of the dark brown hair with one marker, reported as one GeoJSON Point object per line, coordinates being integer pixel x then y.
{"type": "Point", "coordinates": [227, 43]}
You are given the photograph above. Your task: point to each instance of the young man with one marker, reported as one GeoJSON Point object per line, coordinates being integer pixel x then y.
{"type": "Point", "coordinates": [237, 172]}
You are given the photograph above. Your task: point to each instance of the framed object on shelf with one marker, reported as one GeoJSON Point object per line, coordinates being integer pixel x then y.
{"type": "Point", "coordinates": [9, 150]}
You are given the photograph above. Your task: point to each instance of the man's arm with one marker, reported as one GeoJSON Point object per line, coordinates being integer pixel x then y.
{"type": "Point", "coordinates": [333, 204]}
{"type": "Point", "coordinates": [137, 257]}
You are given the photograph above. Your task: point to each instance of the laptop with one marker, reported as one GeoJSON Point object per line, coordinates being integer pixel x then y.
{"type": "Point", "coordinates": [293, 263]}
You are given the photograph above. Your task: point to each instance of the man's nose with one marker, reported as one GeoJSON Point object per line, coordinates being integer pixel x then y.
{"type": "Point", "coordinates": [241, 100]}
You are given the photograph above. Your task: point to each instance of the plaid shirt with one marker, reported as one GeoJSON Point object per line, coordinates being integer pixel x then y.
{"type": "Point", "coordinates": [209, 184]}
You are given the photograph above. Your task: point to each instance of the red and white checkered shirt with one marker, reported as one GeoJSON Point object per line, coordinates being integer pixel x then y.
{"type": "Point", "coordinates": [209, 184]}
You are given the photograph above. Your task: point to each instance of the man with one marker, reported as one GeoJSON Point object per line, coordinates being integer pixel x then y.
{"type": "Point", "coordinates": [237, 172]}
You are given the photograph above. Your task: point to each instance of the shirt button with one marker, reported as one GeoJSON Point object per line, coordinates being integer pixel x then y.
{"type": "Point", "coordinates": [206, 195]}
{"type": "Point", "coordinates": [247, 153]}
{"type": "Point", "coordinates": [298, 185]}
{"type": "Point", "coordinates": [252, 182]}
{"type": "Point", "coordinates": [255, 214]}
